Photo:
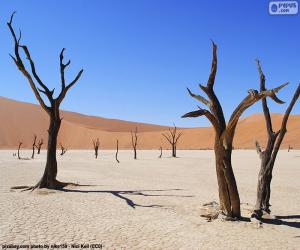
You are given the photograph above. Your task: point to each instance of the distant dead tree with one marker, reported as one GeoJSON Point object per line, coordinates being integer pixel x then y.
{"type": "Point", "coordinates": [117, 151]}
{"type": "Point", "coordinates": [33, 146]}
{"type": "Point", "coordinates": [96, 144]}
{"type": "Point", "coordinates": [48, 179]}
{"type": "Point", "coordinates": [160, 152]}
{"type": "Point", "coordinates": [224, 134]}
{"type": "Point", "coordinates": [39, 146]}
{"type": "Point", "coordinates": [63, 149]}
{"type": "Point", "coordinates": [134, 140]}
{"type": "Point", "coordinates": [289, 148]}
{"type": "Point", "coordinates": [19, 147]}
{"type": "Point", "coordinates": [172, 137]}
{"type": "Point", "coordinates": [268, 156]}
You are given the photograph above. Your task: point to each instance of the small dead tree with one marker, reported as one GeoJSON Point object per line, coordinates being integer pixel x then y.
{"type": "Point", "coordinates": [96, 144]}
{"type": "Point", "coordinates": [63, 149]}
{"type": "Point", "coordinates": [172, 137]}
{"type": "Point", "coordinates": [19, 147]}
{"type": "Point", "coordinates": [268, 156]}
{"type": "Point", "coordinates": [160, 152]}
{"type": "Point", "coordinates": [134, 140]}
{"type": "Point", "coordinates": [117, 151]}
{"type": "Point", "coordinates": [33, 146]}
{"type": "Point", "coordinates": [224, 134]}
{"type": "Point", "coordinates": [48, 179]}
{"type": "Point", "coordinates": [39, 146]}
{"type": "Point", "coordinates": [290, 148]}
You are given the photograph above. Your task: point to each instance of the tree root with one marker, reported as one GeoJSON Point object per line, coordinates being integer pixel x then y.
{"type": "Point", "coordinates": [55, 185]}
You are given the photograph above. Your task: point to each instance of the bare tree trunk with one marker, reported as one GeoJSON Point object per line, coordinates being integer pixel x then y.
{"type": "Point", "coordinates": [268, 156]}
{"type": "Point", "coordinates": [96, 144]}
{"type": "Point", "coordinates": [20, 144]}
{"type": "Point", "coordinates": [160, 152]}
{"type": "Point", "coordinates": [49, 177]}
{"type": "Point", "coordinates": [33, 147]}
{"type": "Point", "coordinates": [224, 134]}
{"type": "Point", "coordinates": [117, 151]}
{"type": "Point", "coordinates": [134, 139]}
{"type": "Point", "coordinates": [39, 146]}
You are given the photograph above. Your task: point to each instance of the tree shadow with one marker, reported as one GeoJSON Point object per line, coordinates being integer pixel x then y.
{"type": "Point", "coordinates": [279, 220]}
{"type": "Point", "coordinates": [120, 194]}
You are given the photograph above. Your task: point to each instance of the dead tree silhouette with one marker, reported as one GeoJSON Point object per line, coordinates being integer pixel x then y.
{"type": "Point", "coordinates": [33, 146]}
{"type": "Point", "coordinates": [48, 179]}
{"type": "Point", "coordinates": [224, 134]}
{"type": "Point", "coordinates": [96, 144]}
{"type": "Point", "coordinates": [268, 156]}
{"type": "Point", "coordinates": [134, 140]}
{"type": "Point", "coordinates": [160, 152]}
{"type": "Point", "coordinates": [290, 148]}
{"type": "Point", "coordinates": [172, 137]}
{"type": "Point", "coordinates": [63, 149]}
{"type": "Point", "coordinates": [39, 146]}
{"type": "Point", "coordinates": [19, 147]}
{"type": "Point", "coordinates": [117, 151]}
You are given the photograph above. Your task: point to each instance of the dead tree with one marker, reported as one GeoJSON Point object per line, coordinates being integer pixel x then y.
{"type": "Point", "coordinates": [39, 146]}
{"type": "Point", "coordinates": [268, 156]}
{"type": "Point", "coordinates": [160, 152]}
{"type": "Point", "coordinates": [172, 137]}
{"type": "Point", "coordinates": [48, 179]}
{"type": "Point", "coordinates": [117, 151]}
{"type": "Point", "coordinates": [134, 139]}
{"type": "Point", "coordinates": [33, 147]}
{"type": "Point", "coordinates": [224, 134]}
{"type": "Point", "coordinates": [96, 144]}
{"type": "Point", "coordinates": [20, 144]}
{"type": "Point", "coordinates": [289, 148]}
{"type": "Point", "coordinates": [63, 149]}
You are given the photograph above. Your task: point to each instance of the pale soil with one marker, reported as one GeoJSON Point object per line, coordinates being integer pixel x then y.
{"type": "Point", "coordinates": [149, 203]}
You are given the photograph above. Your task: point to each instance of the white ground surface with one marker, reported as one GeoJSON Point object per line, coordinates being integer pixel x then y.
{"type": "Point", "coordinates": [149, 203]}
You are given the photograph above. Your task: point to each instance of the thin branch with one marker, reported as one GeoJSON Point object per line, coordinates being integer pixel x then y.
{"type": "Point", "coordinates": [213, 71]}
{"type": "Point", "coordinates": [199, 98]}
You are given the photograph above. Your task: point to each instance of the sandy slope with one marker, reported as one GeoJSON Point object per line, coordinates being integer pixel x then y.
{"type": "Point", "coordinates": [150, 203]}
{"type": "Point", "coordinates": [20, 121]}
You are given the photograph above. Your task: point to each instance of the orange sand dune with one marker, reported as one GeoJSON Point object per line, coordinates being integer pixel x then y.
{"type": "Point", "coordinates": [20, 121]}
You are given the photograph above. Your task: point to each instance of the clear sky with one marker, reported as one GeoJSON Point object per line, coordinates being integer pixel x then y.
{"type": "Point", "coordinates": [139, 56]}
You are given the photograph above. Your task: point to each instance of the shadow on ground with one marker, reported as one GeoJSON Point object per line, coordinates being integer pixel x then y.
{"type": "Point", "coordinates": [131, 203]}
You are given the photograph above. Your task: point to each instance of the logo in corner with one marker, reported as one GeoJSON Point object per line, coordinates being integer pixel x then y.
{"type": "Point", "coordinates": [283, 8]}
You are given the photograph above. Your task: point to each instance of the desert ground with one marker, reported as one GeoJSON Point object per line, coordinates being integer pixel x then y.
{"type": "Point", "coordinates": [149, 203]}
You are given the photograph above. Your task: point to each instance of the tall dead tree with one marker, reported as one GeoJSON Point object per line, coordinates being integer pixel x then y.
{"type": "Point", "coordinates": [39, 146]}
{"type": "Point", "coordinates": [62, 149]}
{"type": "Point", "coordinates": [33, 146]}
{"type": "Point", "coordinates": [19, 147]}
{"type": "Point", "coordinates": [268, 156]}
{"type": "Point", "coordinates": [117, 151]}
{"type": "Point", "coordinates": [48, 179]}
{"type": "Point", "coordinates": [172, 137]}
{"type": "Point", "coordinates": [224, 134]}
{"type": "Point", "coordinates": [96, 144]}
{"type": "Point", "coordinates": [134, 140]}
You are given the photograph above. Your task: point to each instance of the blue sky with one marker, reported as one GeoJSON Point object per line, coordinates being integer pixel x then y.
{"type": "Point", "coordinates": [139, 56]}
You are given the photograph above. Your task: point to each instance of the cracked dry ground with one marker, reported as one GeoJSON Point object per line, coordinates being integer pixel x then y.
{"type": "Point", "coordinates": [149, 203]}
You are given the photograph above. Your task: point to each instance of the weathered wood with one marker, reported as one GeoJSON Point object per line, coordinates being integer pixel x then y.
{"type": "Point", "coordinates": [19, 147]}
{"type": "Point", "coordinates": [160, 152]}
{"type": "Point", "coordinates": [48, 179]}
{"type": "Point", "coordinates": [33, 146]}
{"type": "Point", "coordinates": [117, 152]}
{"type": "Point", "coordinates": [172, 137]}
{"type": "Point", "coordinates": [134, 140]}
{"type": "Point", "coordinates": [268, 156]}
{"type": "Point", "coordinates": [224, 134]}
{"type": "Point", "coordinates": [63, 149]}
{"type": "Point", "coordinates": [96, 145]}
